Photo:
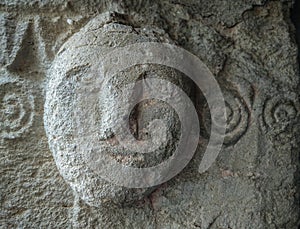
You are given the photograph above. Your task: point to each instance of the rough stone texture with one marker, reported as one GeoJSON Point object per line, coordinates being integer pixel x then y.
{"type": "Point", "coordinates": [250, 48]}
{"type": "Point", "coordinates": [73, 69]}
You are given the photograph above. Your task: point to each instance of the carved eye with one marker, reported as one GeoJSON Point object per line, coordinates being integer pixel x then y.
{"type": "Point", "coordinates": [78, 73]}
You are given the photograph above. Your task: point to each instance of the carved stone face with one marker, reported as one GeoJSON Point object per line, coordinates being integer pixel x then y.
{"type": "Point", "coordinates": [71, 71]}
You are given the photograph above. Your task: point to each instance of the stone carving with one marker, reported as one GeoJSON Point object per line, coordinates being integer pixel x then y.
{"type": "Point", "coordinates": [255, 180]}
{"type": "Point", "coordinates": [21, 39]}
{"type": "Point", "coordinates": [27, 42]}
{"type": "Point", "coordinates": [71, 70]}
{"type": "Point", "coordinates": [16, 108]}
{"type": "Point", "coordinates": [14, 35]}
{"type": "Point", "coordinates": [237, 116]}
{"type": "Point", "coordinates": [279, 112]}
{"type": "Point", "coordinates": [17, 102]}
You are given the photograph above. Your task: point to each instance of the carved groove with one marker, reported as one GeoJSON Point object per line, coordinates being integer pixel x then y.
{"type": "Point", "coordinates": [279, 112]}
{"type": "Point", "coordinates": [16, 109]}
{"type": "Point", "coordinates": [237, 117]}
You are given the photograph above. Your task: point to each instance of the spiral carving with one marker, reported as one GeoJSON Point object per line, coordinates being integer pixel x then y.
{"type": "Point", "coordinates": [16, 109]}
{"type": "Point", "coordinates": [279, 112]}
{"type": "Point", "coordinates": [237, 117]}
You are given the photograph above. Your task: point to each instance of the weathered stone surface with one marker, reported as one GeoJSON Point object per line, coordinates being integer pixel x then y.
{"type": "Point", "coordinates": [72, 69]}
{"type": "Point", "coordinates": [249, 46]}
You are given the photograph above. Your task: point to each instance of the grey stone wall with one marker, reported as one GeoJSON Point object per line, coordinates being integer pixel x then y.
{"type": "Point", "coordinates": [249, 46]}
